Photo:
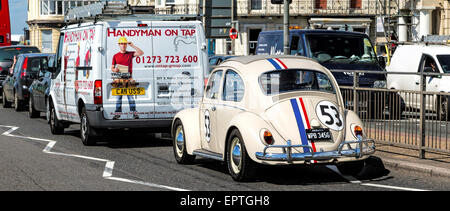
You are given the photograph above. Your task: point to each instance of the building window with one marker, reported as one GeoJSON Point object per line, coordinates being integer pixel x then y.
{"type": "Point", "coordinates": [320, 4]}
{"type": "Point", "coordinates": [256, 4]}
{"type": "Point", "coordinates": [47, 41]}
{"type": "Point", "coordinates": [356, 4]}
{"type": "Point", "coordinates": [60, 7]}
{"type": "Point", "coordinates": [170, 2]}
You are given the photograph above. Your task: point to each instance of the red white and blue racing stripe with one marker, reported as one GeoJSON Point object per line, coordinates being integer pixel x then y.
{"type": "Point", "coordinates": [277, 63]}
{"type": "Point", "coordinates": [301, 116]}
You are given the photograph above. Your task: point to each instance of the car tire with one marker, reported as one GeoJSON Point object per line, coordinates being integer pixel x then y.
{"type": "Point", "coordinates": [32, 113]}
{"type": "Point", "coordinates": [18, 104]}
{"type": "Point", "coordinates": [179, 144]}
{"type": "Point", "coordinates": [88, 134]}
{"type": "Point", "coordinates": [56, 126]}
{"type": "Point", "coordinates": [240, 165]}
{"type": "Point", "coordinates": [443, 113]}
{"type": "Point", "coordinates": [5, 102]}
{"type": "Point", "coordinates": [352, 168]}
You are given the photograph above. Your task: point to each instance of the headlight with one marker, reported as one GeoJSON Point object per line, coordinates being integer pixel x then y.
{"type": "Point", "coordinates": [379, 84]}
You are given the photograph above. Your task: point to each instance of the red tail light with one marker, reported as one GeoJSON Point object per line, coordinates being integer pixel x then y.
{"type": "Point", "coordinates": [358, 131]}
{"type": "Point", "coordinates": [98, 92]}
{"type": "Point", "coordinates": [24, 68]}
{"type": "Point", "coordinates": [268, 138]}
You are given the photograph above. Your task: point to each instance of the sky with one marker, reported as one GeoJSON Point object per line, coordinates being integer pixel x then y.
{"type": "Point", "coordinates": [18, 15]}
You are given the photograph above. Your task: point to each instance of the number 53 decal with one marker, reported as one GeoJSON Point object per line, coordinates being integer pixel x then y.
{"type": "Point", "coordinates": [328, 114]}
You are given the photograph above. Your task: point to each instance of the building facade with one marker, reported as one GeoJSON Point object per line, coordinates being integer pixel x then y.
{"type": "Point", "coordinates": [45, 18]}
{"type": "Point", "coordinates": [254, 16]}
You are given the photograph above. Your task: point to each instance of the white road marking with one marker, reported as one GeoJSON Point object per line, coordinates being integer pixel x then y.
{"type": "Point", "coordinates": [356, 181]}
{"type": "Point", "coordinates": [109, 166]}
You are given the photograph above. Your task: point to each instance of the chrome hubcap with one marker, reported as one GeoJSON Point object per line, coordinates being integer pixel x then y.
{"type": "Point", "coordinates": [179, 140]}
{"type": "Point", "coordinates": [236, 155]}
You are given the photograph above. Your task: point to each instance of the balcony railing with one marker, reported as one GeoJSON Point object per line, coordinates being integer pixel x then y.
{"type": "Point", "coordinates": [297, 7]}
{"type": "Point", "coordinates": [312, 7]}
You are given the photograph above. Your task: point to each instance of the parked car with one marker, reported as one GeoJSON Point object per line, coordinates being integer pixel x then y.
{"type": "Point", "coordinates": [335, 50]}
{"type": "Point", "coordinates": [7, 57]}
{"type": "Point", "coordinates": [16, 84]}
{"type": "Point", "coordinates": [217, 59]}
{"type": "Point", "coordinates": [271, 110]}
{"type": "Point", "coordinates": [422, 58]}
{"type": "Point", "coordinates": [119, 74]}
{"type": "Point", "coordinates": [40, 88]}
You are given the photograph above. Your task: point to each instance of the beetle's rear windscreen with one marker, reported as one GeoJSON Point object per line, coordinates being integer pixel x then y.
{"type": "Point", "coordinates": [282, 81]}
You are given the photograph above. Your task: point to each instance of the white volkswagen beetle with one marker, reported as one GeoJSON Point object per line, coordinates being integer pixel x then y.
{"type": "Point", "coordinates": [271, 110]}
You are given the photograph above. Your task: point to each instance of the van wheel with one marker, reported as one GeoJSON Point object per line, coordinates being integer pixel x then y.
{"type": "Point", "coordinates": [240, 165]}
{"type": "Point", "coordinates": [179, 145]}
{"type": "Point", "coordinates": [56, 127]}
{"type": "Point", "coordinates": [5, 102]}
{"type": "Point", "coordinates": [88, 134]}
{"type": "Point", "coordinates": [443, 108]}
{"type": "Point", "coordinates": [32, 113]}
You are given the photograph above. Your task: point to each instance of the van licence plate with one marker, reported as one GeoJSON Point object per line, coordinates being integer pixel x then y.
{"type": "Point", "coordinates": [128, 91]}
{"type": "Point", "coordinates": [318, 134]}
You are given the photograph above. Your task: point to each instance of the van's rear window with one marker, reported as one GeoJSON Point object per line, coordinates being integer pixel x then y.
{"type": "Point", "coordinates": [281, 81]}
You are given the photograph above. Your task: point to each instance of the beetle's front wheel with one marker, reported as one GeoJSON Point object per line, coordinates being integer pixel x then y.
{"type": "Point", "coordinates": [179, 145]}
{"type": "Point", "coordinates": [240, 165]}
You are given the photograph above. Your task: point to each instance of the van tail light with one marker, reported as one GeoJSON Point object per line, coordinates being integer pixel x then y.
{"type": "Point", "coordinates": [24, 68]}
{"type": "Point", "coordinates": [98, 92]}
{"type": "Point", "coordinates": [268, 138]}
{"type": "Point", "coordinates": [358, 131]}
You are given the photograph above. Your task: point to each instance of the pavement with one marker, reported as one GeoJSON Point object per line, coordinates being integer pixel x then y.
{"type": "Point", "coordinates": [434, 164]}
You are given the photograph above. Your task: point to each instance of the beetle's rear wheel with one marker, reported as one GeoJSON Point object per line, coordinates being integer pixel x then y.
{"type": "Point", "coordinates": [351, 168]}
{"type": "Point", "coordinates": [240, 165]}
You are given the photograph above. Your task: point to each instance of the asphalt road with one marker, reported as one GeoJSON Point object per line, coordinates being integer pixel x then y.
{"type": "Point", "coordinates": [31, 158]}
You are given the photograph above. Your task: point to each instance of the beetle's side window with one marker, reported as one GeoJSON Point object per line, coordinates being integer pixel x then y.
{"type": "Point", "coordinates": [212, 89]}
{"type": "Point", "coordinates": [233, 87]}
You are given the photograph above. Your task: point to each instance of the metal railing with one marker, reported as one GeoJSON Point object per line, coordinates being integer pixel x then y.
{"type": "Point", "coordinates": [414, 119]}
{"type": "Point", "coordinates": [311, 7]}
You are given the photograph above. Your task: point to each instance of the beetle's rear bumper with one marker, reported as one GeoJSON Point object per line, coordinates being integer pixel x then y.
{"type": "Point", "coordinates": [364, 147]}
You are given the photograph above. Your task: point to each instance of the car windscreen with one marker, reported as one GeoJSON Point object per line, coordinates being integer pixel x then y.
{"type": "Point", "coordinates": [7, 54]}
{"type": "Point", "coordinates": [281, 81]}
{"type": "Point", "coordinates": [270, 44]}
{"type": "Point", "coordinates": [340, 48]}
{"type": "Point", "coordinates": [444, 60]}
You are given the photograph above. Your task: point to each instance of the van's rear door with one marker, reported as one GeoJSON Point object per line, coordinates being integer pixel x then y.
{"type": "Point", "coordinates": [129, 92]}
{"type": "Point", "coordinates": [179, 65]}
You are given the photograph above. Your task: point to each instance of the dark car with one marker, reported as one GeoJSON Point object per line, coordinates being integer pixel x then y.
{"type": "Point", "coordinates": [7, 54]}
{"type": "Point", "coordinates": [16, 84]}
{"type": "Point", "coordinates": [39, 90]}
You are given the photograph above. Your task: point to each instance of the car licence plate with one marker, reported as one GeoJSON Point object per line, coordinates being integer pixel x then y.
{"type": "Point", "coordinates": [318, 134]}
{"type": "Point", "coordinates": [128, 91]}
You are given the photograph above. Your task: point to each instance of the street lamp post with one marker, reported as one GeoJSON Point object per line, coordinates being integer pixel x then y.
{"type": "Point", "coordinates": [286, 49]}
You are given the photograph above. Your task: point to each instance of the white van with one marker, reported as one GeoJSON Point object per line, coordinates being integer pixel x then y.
{"type": "Point", "coordinates": [126, 74]}
{"type": "Point", "coordinates": [418, 58]}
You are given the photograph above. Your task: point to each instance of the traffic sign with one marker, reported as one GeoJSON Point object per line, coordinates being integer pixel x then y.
{"type": "Point", "coordinates": [233, 33]}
